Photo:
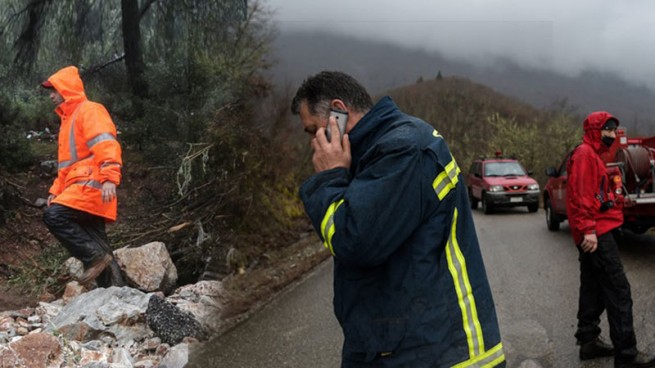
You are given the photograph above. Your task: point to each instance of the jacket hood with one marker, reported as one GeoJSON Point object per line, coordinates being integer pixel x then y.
{"type": "Point", "coordinates": [592, 126]}
{"type": "Point", "coordinates": [68, 83]}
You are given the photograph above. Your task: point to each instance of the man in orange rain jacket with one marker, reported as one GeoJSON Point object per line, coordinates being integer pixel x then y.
{"type": "Point", "coordinates": [83, 196]}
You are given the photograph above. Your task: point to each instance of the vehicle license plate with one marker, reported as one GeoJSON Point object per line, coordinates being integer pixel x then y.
{"type": "Point", "coordinates": [516, 199]}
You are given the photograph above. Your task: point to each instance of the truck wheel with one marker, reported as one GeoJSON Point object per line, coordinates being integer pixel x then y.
{"type": "Point", "coordinates": [533, 207]}
{"type": "Point", "coordinates": [552, 220]}
{"type": "Point", "coordinates": [487, 207]}
{"type": "Point", "coordinates": [474, 201]}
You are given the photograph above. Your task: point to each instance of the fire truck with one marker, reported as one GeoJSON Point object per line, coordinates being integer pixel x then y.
{"type": "Point", "coordinates": [631, 163]}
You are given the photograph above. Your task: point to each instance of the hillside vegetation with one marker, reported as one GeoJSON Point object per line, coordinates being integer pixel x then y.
{"type": "Point", "coordinates": [207, 166]}
{"type": "Point", "coordinates": [477, 121]}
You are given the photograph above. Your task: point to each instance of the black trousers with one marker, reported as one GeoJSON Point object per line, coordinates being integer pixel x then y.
{"type": "Point", "coordinates": [605, 287]}
{"type": "Point", "coordinates": [84, 236]}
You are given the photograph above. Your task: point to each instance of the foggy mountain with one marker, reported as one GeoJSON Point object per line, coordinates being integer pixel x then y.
{"type": "Point", "coordinates": [379, 67]}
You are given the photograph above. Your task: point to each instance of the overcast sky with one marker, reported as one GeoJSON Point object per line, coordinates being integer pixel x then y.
{"type": "Point", "coordinates": [560, 35]}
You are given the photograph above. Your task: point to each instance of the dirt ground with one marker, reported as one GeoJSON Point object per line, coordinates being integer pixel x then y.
{"type": "Point", "coordinates": [12, 299]}
{"type": "Point", "coordinates": [22, 238]}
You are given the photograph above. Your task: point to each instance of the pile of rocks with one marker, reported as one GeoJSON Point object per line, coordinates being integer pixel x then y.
{"type": "Point", "coordinates": [119, 327]}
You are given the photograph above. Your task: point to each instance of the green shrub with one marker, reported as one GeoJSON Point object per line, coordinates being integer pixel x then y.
{"type": "Point", "coordinates": [15, 154]}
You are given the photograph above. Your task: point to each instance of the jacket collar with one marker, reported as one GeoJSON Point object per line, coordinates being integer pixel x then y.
{"type": "Point", "coordinates": [372, 125]}
{"type": "Point", "coordinates": [67, 108]}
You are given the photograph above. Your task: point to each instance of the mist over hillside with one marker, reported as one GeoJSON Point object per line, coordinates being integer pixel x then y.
{"type": "Point", "coordinates": [381, 67]}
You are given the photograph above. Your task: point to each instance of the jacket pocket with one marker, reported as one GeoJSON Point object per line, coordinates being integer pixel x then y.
{"type": "Point", "coordinates": [78, 173]}
{"type": "Point", "coordinates": [375, 337]}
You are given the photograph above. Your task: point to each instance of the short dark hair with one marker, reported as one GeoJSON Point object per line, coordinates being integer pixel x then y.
{"type": "Point", "coordinates": [325, 86]}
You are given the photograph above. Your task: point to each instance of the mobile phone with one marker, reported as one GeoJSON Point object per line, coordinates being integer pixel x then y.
{"type": "Point", "coordinates": [342, 120]}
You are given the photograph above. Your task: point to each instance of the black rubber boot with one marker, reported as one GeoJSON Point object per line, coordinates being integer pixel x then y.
{"type": "Point", "coordinates": [595, 348]}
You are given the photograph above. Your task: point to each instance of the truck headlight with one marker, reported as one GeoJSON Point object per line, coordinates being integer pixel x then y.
{"type": "Point", "coordinates": [533, 187]}
{"type": "Point", "coordinates": [496, 188]}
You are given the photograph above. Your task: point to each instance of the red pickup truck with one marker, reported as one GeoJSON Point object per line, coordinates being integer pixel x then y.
{"type": "Point", "coordinates": [631, 158]}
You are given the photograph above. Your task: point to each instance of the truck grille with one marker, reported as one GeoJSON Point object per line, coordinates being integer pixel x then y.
{"type": "Point", "coordinates": [514, 188]}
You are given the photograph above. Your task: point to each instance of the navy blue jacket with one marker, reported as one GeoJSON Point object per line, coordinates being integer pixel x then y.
{"type": "Point", "coordinates": [410, 288]}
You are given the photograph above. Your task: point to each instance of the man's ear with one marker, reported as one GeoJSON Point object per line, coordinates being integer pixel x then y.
{"type": "Point", "coordinates": [338, 104]}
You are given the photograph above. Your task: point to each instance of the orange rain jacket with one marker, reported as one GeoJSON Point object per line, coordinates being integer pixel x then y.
{"type": "Point", "coordinates": [88, 153]}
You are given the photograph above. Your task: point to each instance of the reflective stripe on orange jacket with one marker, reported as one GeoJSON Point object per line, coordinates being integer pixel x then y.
{"type": "Point", "coordinates": [88, 153]}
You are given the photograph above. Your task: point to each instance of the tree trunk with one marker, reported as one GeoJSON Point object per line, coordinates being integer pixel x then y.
{"type": "Point", "coordinates": [131, 16]}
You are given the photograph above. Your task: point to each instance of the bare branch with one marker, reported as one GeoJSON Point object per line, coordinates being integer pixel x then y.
{"type": "Point", "coordinates": [97, 68]}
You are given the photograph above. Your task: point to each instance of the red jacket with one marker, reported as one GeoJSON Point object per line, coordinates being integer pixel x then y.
{"type": "Point", "coordinates": [588, 184]}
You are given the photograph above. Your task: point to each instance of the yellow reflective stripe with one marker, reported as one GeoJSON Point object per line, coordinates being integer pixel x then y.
{"type": "Point", "coordinates": [488, 359]}
{"type": "Point", "coordinates": [446, 180]}
{"type": "Point", "coordinates": [327, 225]}
{"type": "Point", "coordinates": [436, 134]}
{"type": "Point", "coordinates": [465, 298]}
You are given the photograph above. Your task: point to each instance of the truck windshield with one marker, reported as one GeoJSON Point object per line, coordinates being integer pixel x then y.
{"type": "Point", "coordinates": [503, 169]}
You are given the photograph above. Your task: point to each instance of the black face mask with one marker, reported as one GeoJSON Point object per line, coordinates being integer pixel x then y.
{"type": "Point", "coordinates": [607, 141]}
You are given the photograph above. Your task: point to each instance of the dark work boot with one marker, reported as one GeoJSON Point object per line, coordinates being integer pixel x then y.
{"type": "Point", "coordinates": [116, 275]}
{"type": "Point", "coordinates": [595, 348]}
{"type": "Point", "coordinates": [640, 360]}
{"type": "Point", "coordinates": [95, 269]}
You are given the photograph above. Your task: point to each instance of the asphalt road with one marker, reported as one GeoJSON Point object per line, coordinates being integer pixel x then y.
{"type": "Point", "coordinates": [534, 276]}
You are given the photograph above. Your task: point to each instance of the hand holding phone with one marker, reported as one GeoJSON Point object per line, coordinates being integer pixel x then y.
{"type": "Point", "coordinates": [329, 155]}
{"type": "Point", "coordinates": [342, 120]}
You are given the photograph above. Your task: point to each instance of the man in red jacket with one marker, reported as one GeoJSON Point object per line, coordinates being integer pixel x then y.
{"type": "Point", "coordinates": [595, 216]}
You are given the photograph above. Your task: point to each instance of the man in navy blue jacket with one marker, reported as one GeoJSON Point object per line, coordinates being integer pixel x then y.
{"type": "Point", "coordinates": [389, 202]}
